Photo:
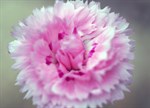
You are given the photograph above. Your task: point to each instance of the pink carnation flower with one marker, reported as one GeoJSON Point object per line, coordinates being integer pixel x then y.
{"type": "Point", "coordinates": [73, 55]}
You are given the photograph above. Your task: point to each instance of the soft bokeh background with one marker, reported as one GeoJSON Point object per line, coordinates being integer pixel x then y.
{"type": "Point", "coordinates": [137, 13]}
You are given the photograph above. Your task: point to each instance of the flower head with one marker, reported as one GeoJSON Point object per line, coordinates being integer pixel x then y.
{"type": "Point", "coordinates": [72, 55]}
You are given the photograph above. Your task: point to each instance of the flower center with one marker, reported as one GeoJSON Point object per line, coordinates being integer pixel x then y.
{"type": "Point", "coordinates": [68, 51]}
{"type": "Point", "coordinates": [72, 45]}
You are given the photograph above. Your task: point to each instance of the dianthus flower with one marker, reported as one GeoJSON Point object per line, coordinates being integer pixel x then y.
{"type": "Point", "coordinates": [73, 55]}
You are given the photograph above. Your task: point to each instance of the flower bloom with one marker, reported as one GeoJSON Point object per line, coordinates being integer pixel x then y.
{"type": "Point", "coordinates": [73, 55]}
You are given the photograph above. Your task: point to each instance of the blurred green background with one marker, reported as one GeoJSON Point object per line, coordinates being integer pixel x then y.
{"type": "Point", "coordinates": [137, 13]}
